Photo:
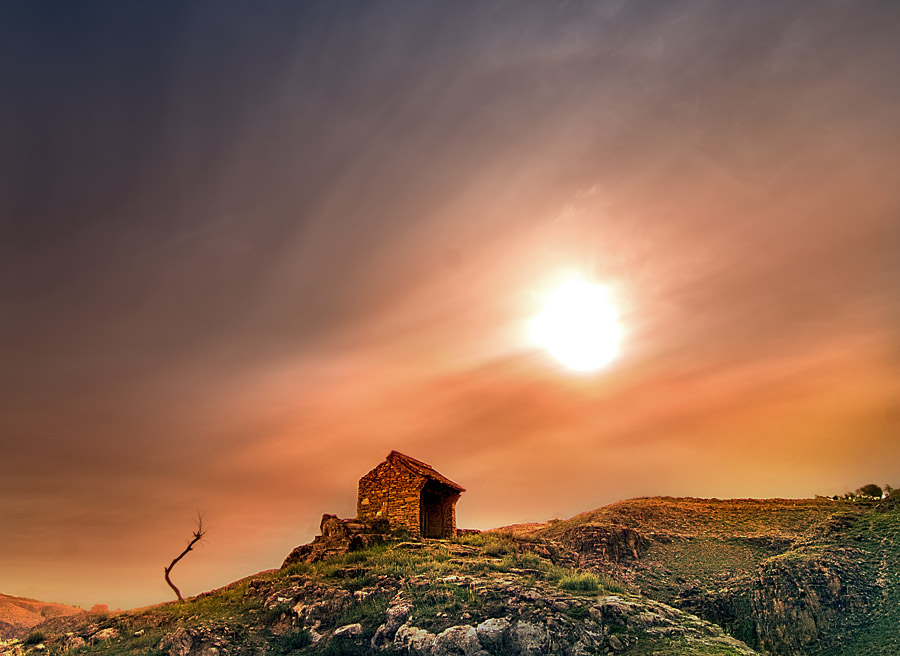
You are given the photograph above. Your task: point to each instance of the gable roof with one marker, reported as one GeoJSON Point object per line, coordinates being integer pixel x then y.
{"type": "Point", "coordinates": [422, 469]}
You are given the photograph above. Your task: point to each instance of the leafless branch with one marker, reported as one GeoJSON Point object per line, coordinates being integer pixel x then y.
{"type": "Point", "coordinates": [198, 534]}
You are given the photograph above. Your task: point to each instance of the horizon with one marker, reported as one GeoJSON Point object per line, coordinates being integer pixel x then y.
{"type": "Point", "coordinates": [91, 606]}
{"type": "Point", "coordinates": [247, 251]}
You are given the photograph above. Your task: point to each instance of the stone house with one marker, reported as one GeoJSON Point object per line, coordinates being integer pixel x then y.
{"type": "Point", "coordinates": [409, 493]}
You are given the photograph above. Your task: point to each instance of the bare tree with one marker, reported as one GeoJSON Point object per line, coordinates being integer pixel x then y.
{"type": "Point", "coordinates": [197, 535]}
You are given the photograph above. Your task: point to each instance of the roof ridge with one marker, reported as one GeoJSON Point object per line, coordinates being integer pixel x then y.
{"type": "Point", "coordinates": [394, 452]}
{"type": "Point", "coordinates": [417, 467]}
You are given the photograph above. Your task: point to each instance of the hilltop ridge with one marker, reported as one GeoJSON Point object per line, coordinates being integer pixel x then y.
{"type": "Point", "coordinates": [644, 577]}
{"type": "Point", "coordinates": [787, 576]}
{"type": "Point", "coordinates": [477, 595]}
{"type": "Point", "coordinates": [18, 614]}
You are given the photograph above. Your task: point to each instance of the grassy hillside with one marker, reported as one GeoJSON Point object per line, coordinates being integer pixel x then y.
{"type": "Point", "coordinates": [648, 577]}
{"type": "Point", "coordinates": [876, 534]}
{"type": "Point", "coordinates": [810, 577]}
{"type": "Point", "coordinates": [479, 595]}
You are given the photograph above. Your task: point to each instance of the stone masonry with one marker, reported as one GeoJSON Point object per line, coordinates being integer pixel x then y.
{"type": "Point", "coordinates": [410, 494]}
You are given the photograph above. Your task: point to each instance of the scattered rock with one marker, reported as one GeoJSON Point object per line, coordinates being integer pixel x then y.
{"type": "Point", "coordinates": [528, 638]}
{"type": "Point", "coordinates": [74, 642]}
{"type": "Point", "coordinates": [396, 614]}
{"type": "Point", "coordinates": [348, 632]}
{"type": "Point", "coordinates": [457, 641]}
{"type": "Point", "coordinates": [106, 634]}
{"type": "Point", "coordinates": [176, 643]}
{"type": "Point", "coordinates": [645, 620]}
{"type": "Point", "coordinates": [413, 641]}
{"type": "Point", "coordinates": [492, 633]}
{"type": "Point", "coordinates": [339, 536]}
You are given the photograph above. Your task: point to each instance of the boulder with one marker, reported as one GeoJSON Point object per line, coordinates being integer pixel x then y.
{"type": "Point", "coordinates": [394, 617]}
{"type": "Point", "coordinates": [74, 642]}
{"type": "Point", "coordinates": [413, 641]}
{"type": "Point", "coordinates": [492, 633]}
{"type": "Point", "coordinates": [176, 643]}
{"type": "Point", "coordinates": [529, 639]}
{"type": "Point", "coordinates": [106, 634]}
{"type": "Point", "coordinates": [338, 536]}
{"type": "Point", "coordinates": [457, 641]}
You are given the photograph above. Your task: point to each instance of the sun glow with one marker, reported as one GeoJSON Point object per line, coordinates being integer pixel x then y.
{"type": "Point", "coordinates": [578, 325]}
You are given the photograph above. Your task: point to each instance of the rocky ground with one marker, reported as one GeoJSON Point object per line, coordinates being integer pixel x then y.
{"type": "Point", "coordinates": [422, 599]}
{"type": "Point", "coordinates": [650, 577]}
{"type": "Point", "coordinates": [790, 577]}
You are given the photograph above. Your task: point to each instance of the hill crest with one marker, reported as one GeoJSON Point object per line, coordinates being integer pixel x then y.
{"type": "Point", "coordinates": [19, 614]}
{"type": "Point", "coordinates": [673, 576]}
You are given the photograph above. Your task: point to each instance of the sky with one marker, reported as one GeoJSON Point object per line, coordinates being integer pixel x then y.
{"type": "Point", "coordinates": [249, 248]}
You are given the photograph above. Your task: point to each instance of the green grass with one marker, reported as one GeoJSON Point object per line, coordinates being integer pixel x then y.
{"type": "Point", "coordinates": [699, 559]}
{"type": "Point", "coordinates": [439, 606]}
{"type": "Point", "coordinates": [288, 642]}
{"type": "Point", "coordinates": [238, 612]}
{"type": "Point", "coordinates": [657, 646]}
{"type": "Point", "coordinates": [369, 613]}
{"type": "Point", "coordinates": [877, 533]}
{"type": "Point", "coordinates": [581, 582]}
{"type": "Point", "coordinates": [776, 518]}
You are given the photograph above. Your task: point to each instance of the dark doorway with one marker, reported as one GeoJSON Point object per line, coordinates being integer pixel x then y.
{"type": "Point", "coordinates": [432, 511]}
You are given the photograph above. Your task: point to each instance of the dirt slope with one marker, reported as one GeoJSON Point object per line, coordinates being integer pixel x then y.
{"type": "Point", "coordinates": [18, 614]}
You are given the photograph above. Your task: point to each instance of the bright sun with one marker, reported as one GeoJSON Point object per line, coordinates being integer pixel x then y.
{"type": "Point", "coordinates": [578, 325]}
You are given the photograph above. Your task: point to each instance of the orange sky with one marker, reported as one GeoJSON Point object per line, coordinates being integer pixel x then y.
{"type": "Point", "coordinates": [246, 253]}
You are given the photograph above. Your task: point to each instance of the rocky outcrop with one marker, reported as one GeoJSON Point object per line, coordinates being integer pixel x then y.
{"type": "Point", "coordinates": [801, 600]}
{"type": "Point", "coordinates": [610, 625]}
{"type": "Point", "coordinates": [608, 543]}
{"type": "Point", "coordinates": [788, 577]}
{"type": "Point", "coordinates": [834, 589]}
{"type": "Point", "coordinates": [512, 617]}
{"type": "Point", "coordinates": [338, 536]}
{"type": "Point", "coordinates": [793, 605]}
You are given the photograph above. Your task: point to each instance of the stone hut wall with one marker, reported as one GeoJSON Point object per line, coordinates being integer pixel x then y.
{"type": "Point", "coordinates": [450, 517]}
{"type": "Point", "coordinates": [393, 493]}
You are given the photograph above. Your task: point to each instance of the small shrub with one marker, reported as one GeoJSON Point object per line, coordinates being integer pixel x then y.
{"type": "Point", "coordinates": [584, 582]}
{"type": "Point", "coordinates": [298, 568]}
{"type": "Point", "coordinates": [870, 490]}
{"type": "Point", "coordinates": [499, 547]}
{"type": "Point", "coordinates": [530, 560]}
{"type": "Point", "coordinates": [35, 637]}
{"type": "Point", "coordinates": [471, 539]}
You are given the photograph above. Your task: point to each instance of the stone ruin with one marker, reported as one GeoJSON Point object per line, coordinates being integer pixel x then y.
{"type": "Point", "coordinates": [401, 495]}
{"type": "Point", "coordinates": [409, 494]}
